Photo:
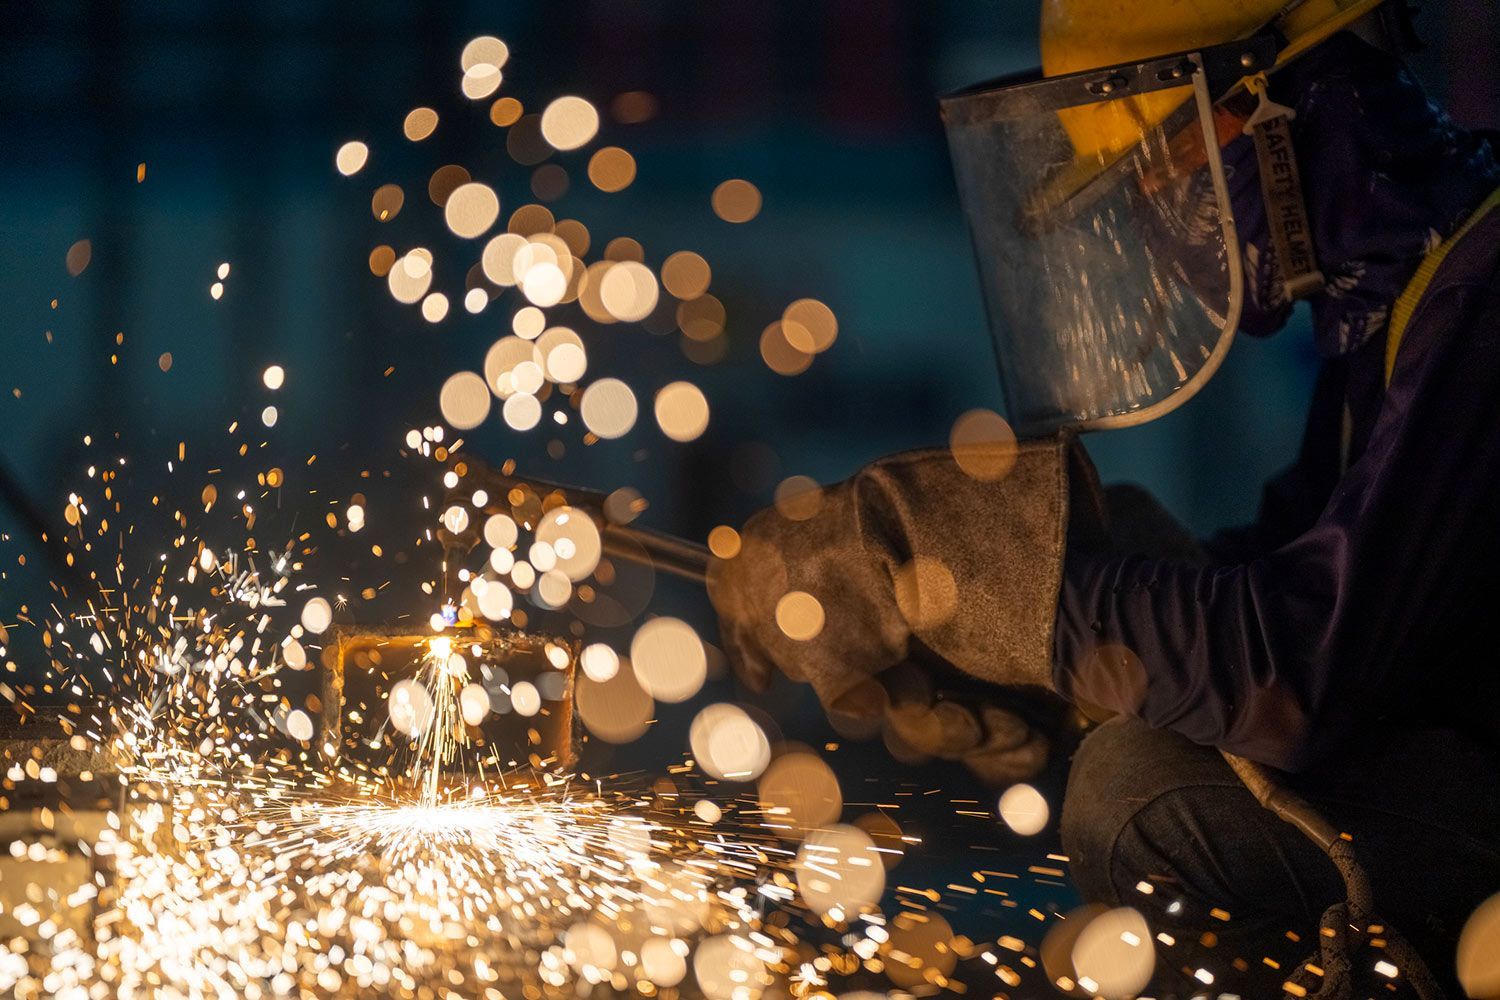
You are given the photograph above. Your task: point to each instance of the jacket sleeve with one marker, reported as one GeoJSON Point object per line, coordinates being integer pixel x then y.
{"type": "Point", "coordinates": [1276, 657]}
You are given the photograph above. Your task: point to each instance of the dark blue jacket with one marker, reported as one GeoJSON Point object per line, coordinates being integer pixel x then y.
{"type": "Point", "coordinates": [1362, 597]}
{"type": "Point", "coordinates": [1364, 593]}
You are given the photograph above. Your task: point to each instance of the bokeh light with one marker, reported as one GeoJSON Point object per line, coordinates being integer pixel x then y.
{"type": "Point", "coordinates": [727, 968]}
{"type": "Point", "coordinates": [736, 201]}
{"type": "Point", "coordinates": [669, 660]}
{"type": "Point", "coordinates": [799, 793]}
{"type": "Point", "coordinates": [506, 111]}
{"type": "Point", "coordinates": [444, 181]}
{"type": "Point", "coordinates": [686, 275]}
{"type": "Point", "coordinates": [420, 123]}
{"type": "Point", "coordinates": [1024, 810]}
{"type": "Point", "coordinates": [926, 592]}
{"type": "Point", "coordinates": [616, 710]}
{"type": "Point", "coordinates": [809, 326]}
{"type": "Point", "coordinates": [798, 498]}
{"type": "Point", "coordinates": [351, 158]}
{"type": "Point", "coordinates": [1113, 957]}
{"type": "Point", "coordinates": [628, 291]}
{"type": "Point", "coordinates": [410, 276]}
{"type": "Point", "coordinates": [435, 307]}
{"type": "Point", "coordinates": [1478, 958]}
{"type": "Point", "coordinates": [608, 408]}
{"type": "Point", "coordinates": [839, 871]}
{"type": "Point", "coordinates": [464, 400]}
{"type": "Point", "coordinates": [611, 169]}
{"type": "Point", "coordinates": [317, 615]}
{"type": "Point", "coordinates": [983, 445]}
{"type": "Point", "coordinates": [386, 202]}
{"type": "Point", "coordinates": [799, 615]}
{"type": "Point", "coordinates": [599, 662]}
{"type": "Point", "coordinates": [681, 411]}
{"type": "Point", "coordinates": [724, 542]}
{"type": "Point", "coordinates": [574, 540]}
{"type": "Point", "coordinates": [569, 122]}
{"type": "Point", "coordinates": [779, 354]}
{"type": "Point", "coordinates": [410, 707]}
{"type": "Point", "coordinates": [728, 744]}
{"type": "Point", "coordinates": [471, 209]}
{"type": "Point", "coordinates": [484, 50]}
{"type": "Point", "coordinates": [921, 948]}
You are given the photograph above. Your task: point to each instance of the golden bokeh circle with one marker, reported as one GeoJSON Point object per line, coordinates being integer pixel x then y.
{"type": "Point", "coordinates": [471, 209]}
{"type": "Point", "coordinates": [351, 158]}
{"type": "Point", "coordinates": [779, 354]}
{"type": "Point", "coordinates": [926, 593]}
{"type": "Point", "coordinates": [724, 542]}
{"type": "Point", "coordinates": [736, 200]}
{"type": "Point", "coordinates": [381, 259]}
{"type": "Point", "coordinates": [686, 274]}
{"type": "Point", "coordinates": [798, 498]}
{"type": "Point", "coordinates": [569, 122]}
{"type": "Point", "coordinates": [800, 792]}
{"type": "Point", "coordinates": [386, 202]}
{"type": "Point", "coordinates": [983, 445]}
{"type": "Point", "coordinates": [444, 181]}
{"type": "Point", "coordinates": [800, 616]}
{"type": "Point", "coordinates": [419, 124]}
{"type": "Point", "coordinates": [681, 411]}
{"type": "Point", "coordinates": [611, 169]}
{"type": "Point", "coordinates": [810, 326]}
{"type": "Point", "coordinates": [701, 319]}
{"type": "Point", "coordinates": [506, 111]}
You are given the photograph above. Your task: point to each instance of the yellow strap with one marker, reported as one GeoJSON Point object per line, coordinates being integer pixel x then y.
{"type": "Point", "coordinates": [1309, 22]}
{"type": "Point", "coordinates": [1405, 305]}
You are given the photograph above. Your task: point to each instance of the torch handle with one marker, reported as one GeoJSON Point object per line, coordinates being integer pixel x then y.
{"type": "Point", "coordinates": [626, 543]}
{"type": "Point", "coordinates": [664, 552]}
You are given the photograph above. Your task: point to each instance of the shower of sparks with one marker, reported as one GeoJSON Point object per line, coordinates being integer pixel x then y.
{"type": "Point", "coordinates": [333, 891]}
{"type": "Point", "coordinates": [440, 738]}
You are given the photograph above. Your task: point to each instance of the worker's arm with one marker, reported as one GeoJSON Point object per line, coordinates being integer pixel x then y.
{"type": "Point", "coordinates": [1272, 657]}
{"type": "Point", "coordinates": [907, 576]}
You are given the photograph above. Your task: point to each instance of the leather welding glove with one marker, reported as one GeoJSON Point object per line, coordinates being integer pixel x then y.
{"type": "Point", "coordinates": [914, 553]}
{"type": "Point", "coordinates": [982, 729]}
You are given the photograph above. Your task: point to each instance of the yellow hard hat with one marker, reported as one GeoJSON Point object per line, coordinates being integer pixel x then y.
{"type": "Point", "coordinates": [1079, 35]}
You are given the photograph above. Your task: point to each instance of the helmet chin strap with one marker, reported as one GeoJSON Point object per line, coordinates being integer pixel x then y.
{"type": "Point", "coordinates": [1281, 187]}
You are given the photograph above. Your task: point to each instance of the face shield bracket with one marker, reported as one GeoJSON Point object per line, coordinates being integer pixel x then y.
{"type": "Point", "coordinates": [1223, 66]}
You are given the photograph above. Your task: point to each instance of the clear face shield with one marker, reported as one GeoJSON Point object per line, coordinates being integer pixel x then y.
{"type": "Point", "coordinates": [1100, 217]}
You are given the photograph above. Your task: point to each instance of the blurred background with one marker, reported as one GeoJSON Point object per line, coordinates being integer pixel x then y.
{"type": "Point", "coordinates": [175, 136]}
{"type": "Point", "coordinates": [828, 108]}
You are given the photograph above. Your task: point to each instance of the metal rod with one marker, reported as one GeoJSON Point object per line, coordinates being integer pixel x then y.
{"type": "Point", "coordinates": [668, 553]}
{"type": "Point", "coordinates": [627, 543]}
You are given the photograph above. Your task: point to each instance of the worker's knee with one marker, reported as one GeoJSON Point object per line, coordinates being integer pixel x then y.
{"type": "Point", "coordinates": [1094, 813]}
{"type": "Point", "coordinates": [1122, 790]}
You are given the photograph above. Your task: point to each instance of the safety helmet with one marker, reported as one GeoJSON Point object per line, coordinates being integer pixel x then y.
{"type": "Point", "coordinates": [1097, 202]}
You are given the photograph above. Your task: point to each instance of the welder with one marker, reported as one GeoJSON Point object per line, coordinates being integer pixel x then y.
{"type": "Point", "coordinates": [1176, 173]}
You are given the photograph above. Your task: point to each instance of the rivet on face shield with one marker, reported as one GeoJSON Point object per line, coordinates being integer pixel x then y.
{"type": "Point", "coordinates": [1107, 86]}
{"type": "Point", "coordinates": [1247, 59]}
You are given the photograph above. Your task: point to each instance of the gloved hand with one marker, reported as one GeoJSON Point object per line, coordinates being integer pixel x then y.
{"type": "Point", "coordinates": [914, 550]}
{"type": "Point", "coordinates": [993, 740]}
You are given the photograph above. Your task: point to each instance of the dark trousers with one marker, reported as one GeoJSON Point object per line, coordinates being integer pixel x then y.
{"type": "Point", "coordinates": [1147, 809]}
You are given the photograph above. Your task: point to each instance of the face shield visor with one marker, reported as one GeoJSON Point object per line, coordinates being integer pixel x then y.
{"type": "Point", "coordinates": [1100, 218]}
